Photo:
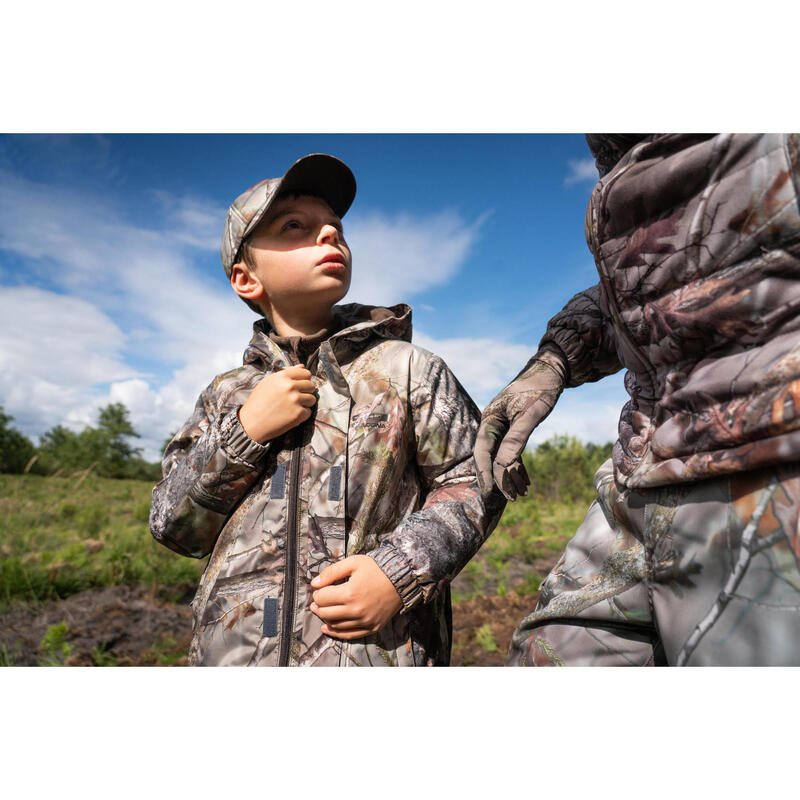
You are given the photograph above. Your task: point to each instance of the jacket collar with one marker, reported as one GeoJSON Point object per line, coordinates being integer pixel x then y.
{"type": "Point", "coordinates": [357, 324]}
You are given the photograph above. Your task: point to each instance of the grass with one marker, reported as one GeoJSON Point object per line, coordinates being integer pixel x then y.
{"type": "Point", "coordinates": [517, 556]}
{"type": "Point", "coordinates": [485, 639]}
{"type": "Point", "coordinates": [166, 651]}
{"type": "Point", "coordinates": [57, 539]}
{"type": "Point", "coordinates": [55, 651]}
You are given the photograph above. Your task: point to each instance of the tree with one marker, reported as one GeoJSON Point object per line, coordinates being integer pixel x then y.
{"type": "Point", "coordinates": [114, 428]}
{"type": "Point", "coordinates": [105, 449]}
{"type": "Point", "coordinates": [16, 450]}
{"type": "Point", "coordinates": [562, 468]}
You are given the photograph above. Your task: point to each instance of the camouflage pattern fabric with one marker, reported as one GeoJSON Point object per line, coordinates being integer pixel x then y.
{"type": "Point", "coordinates": [383, 467]}
{"type": "Point", "coordinates": [696, 239]}
{"type": "Point", "coordinates": [700, 574]}
{"type": "Point", "coordinates": [509, 419]}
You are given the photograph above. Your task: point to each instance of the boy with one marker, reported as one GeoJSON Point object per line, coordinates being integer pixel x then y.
{"type": "Point", "coordinates": [331, 476]}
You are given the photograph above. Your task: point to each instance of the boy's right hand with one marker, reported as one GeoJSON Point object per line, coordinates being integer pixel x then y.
{"type": "Point", "coordinates": [279, 402]}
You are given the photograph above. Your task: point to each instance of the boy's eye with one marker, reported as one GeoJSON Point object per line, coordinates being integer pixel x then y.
{"type": "Point", "coordinates": [291, 224]}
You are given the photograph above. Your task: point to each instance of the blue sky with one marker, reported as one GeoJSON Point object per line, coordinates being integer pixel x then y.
{"type": "Point", "coordinates": [111, 288]}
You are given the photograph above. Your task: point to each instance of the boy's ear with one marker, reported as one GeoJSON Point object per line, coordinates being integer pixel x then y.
{"type": "Point", "coordinates": [246, 284]}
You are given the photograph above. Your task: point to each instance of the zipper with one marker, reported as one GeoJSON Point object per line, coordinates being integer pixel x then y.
{"type": "Point", "coordinates": [292, 527]}
{"type": "Point", "coordinates": [292, 524]}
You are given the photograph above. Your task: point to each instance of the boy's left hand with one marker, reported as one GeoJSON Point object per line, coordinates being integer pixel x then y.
{"type": "Point", "coordinates": [361, 605]}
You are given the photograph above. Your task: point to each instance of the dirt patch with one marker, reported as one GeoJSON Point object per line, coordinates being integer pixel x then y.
{"type": "Point", "coordinates": [134, 626]}
{"type": "Point", "coordinates": [482, 628]}
{"type": "Point", "coordinates": [113, 626]}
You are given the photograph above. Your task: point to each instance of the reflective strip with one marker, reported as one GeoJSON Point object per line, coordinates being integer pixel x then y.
{"type": "Point", "coordinates": [335, 484]}
{"type": "Point", "coordinates": [277, 489]}
{"type": "Point", "coordinates": [270, 625]}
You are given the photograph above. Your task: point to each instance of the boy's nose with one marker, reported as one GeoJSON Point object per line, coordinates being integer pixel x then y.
{"type": "Point", "coordinates": [327, 235]}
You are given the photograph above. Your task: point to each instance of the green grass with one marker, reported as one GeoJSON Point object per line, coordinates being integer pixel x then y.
{"type": "Point", "coordinates": [167, 651]}
{"type": "Point", "coordinates": [531, 534]}
{"type": "Point", "coordinates": [55, 651]}
{"type": "Point", "coordinates": [46, 525]}
{"type": "Point", "coordinates": [485, 639]}
{"type": "Point", "coordinates": [58, 538]}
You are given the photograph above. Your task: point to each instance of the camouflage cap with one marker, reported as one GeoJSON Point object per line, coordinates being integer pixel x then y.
{"type": "Point", "coordinates": [317, 174]}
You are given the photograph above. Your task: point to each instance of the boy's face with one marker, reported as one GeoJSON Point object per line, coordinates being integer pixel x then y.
{"type": "Point", "coordinates": [300, 257]}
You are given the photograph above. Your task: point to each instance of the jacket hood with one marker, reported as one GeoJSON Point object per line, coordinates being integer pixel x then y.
{"type": "Point", "coordinates": [608, 148]}
{"type": "Point", "coordinates": [355, 323]}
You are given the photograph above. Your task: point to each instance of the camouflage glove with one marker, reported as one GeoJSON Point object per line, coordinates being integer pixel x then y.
{"type": "Point", "coordinates": [511, 417]}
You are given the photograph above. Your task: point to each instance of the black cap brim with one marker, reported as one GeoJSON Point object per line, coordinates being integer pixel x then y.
{"type": "Point", "coordinates": [323, 176]}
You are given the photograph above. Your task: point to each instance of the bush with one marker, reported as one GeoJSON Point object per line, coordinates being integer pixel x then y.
{"type": "Point", "coordinates": [562, 469]}
{"type": "Point", "coordinates": [16, 450]}
{"type": "Point", "coordinates": [104, 450]}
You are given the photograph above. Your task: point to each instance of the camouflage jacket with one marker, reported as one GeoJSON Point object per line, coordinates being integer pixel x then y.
{"type": "Point", "coordinates": [383, 467]}
{"type": "Point", "coordinates": [697, 242]}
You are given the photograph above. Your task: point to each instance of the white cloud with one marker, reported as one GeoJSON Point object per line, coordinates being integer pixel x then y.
{"type": "Point", "coordinates": [128, 294]}
{"type": "Point", "coordinates": [589, 412]}
{"type": "Point", "coordinates": [484, 366]}
{"type": "Point", "coordinates": [132, 295]}
{"type": "Point", "coordinates": [398, 257]}
{"type": "Point", "coordinates": [62, 352]}
{"type": "Point", "coordinates": [581, 170]}
{"type": "Point", "coordinates": [53, 349]}
{"type": "Point", "coordinates": [193, 221]}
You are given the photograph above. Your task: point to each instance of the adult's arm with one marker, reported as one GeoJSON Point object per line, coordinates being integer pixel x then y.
{"type": "Point", "coordinates": [579, 346]}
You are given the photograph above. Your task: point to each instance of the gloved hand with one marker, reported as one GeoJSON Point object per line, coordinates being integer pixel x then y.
{"type": "Point", "coordinates": [511, 417]}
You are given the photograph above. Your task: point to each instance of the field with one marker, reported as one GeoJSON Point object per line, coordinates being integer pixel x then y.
{"type": "Point", "coordinates": [82, 582]}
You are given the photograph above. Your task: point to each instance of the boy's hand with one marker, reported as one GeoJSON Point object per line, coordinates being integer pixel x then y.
{"type": "Point", "coordinates": [279, 402]}
{"type": "Point", "coordinates": [361, 605]}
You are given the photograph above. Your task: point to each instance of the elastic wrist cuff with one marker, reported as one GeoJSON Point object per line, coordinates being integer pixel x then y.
{"type": "Point", "coordinates": [397, 569]}
{"type": "Point", "coordinates": [551, 354]}
{"type": "Point", "coordinates": [237, 443]}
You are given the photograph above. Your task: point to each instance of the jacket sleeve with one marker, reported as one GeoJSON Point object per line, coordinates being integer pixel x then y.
{"type": "Point", "coordinates": [583, 331]}
{"type": "Point", "coordinates": [208, 467]}
{"type": "Point", "coordinates": [430, 547]}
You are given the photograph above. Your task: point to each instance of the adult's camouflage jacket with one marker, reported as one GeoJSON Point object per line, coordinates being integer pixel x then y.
{"type": "Point", "coordinates": [696, 239]}
{"type": "Point", "coordinates": [383, 467]}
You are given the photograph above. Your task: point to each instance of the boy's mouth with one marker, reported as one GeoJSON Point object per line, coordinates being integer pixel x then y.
{"type": "Point", "coordinates": [333, 261]}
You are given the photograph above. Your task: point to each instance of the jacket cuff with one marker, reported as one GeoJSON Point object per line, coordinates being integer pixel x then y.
{"type": "Point", "coordinates": [236, 443]}
{"type": "Point", "coordinates": [552, 355]}
{"type": "Point", "coordinates": [397, 569]}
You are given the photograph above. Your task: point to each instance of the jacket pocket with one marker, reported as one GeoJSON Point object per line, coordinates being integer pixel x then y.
{"type": "Point", "coordinates": [240, 622]}
{"type": "Point", "coordinates": [391, 646]}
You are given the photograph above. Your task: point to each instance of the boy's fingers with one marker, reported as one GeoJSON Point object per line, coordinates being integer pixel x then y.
{"type": "Point", "coordinates": [332, 614]}
{"type": "Point", "coordinates": [359, 633]}
{"type": "Point", "coordinates": [347, 626]}
{"type": "Point", "coordinates": [305, 386]}
{"type": "Point", "coordinates": [335, 572]}
{"type": "Point", "coordinates": [332, 596]}
{"type": "Point", "coordinates": [297, 372]}
{"type": "Point", "coordinates": [307, 400]}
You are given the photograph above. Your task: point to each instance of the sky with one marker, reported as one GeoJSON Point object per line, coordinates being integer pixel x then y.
{"type": "Point", "coordinates": [112, 290]}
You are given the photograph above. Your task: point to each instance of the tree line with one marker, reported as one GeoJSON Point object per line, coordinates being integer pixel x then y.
{"type": "Point", "coordinates": [104, 449]}
{"type": "Point", "coordinates": [560, 469]}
